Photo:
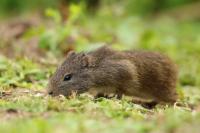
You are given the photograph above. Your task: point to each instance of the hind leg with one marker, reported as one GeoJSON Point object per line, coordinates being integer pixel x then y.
{"type": "Point", "coordinates": [149, 105]}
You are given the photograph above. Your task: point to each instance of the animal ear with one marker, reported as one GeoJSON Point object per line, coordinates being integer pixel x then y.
{"type": "Point", "coordinates": [87, 61]}
{"type": "Point", "coordinates": [71, 54]}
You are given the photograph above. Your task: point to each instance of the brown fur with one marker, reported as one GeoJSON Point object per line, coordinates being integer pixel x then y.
{"type": "Point", "coordinates": [148, 76]}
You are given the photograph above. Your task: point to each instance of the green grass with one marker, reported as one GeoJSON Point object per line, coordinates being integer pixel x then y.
{"type": "Point", "coordinates": [83, 114]}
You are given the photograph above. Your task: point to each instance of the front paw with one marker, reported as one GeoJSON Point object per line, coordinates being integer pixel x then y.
{"type": "Point", "coordinates": [108, 96]}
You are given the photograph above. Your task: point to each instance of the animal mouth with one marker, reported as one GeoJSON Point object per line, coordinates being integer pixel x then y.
{"type": "Point", "coordinates": [66, 92]}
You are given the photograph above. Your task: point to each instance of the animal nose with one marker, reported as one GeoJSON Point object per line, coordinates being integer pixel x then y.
{"type": "Point", "coordinates": [50, 93]}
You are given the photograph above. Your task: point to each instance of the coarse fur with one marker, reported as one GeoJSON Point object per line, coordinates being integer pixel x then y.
{"type": "Point", "coordinates": [148, 76]}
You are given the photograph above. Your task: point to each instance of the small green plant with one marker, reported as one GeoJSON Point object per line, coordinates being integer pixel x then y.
{"type": "Point", "coordinates": [55, 37]}
{"type": "Point", "coordinates": [21, 73]}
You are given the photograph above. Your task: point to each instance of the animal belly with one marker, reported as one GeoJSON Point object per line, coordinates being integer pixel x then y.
{"type": "Point", "coordinates": [139, 94]}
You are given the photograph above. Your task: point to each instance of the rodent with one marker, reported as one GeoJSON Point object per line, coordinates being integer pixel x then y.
{"type": "Point", "coordinates": [149, 76]}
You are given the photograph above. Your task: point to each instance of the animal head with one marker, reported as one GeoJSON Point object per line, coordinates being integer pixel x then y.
{"type": "Point", "coordinates": [73, 75]}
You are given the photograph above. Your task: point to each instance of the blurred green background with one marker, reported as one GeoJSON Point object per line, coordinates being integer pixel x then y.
{"type": "Point", "coordinates": [131, 7]}
{"type": "Point", "coordinates": [48, 27]}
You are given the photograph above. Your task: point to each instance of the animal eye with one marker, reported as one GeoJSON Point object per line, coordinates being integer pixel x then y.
{"type": "Point", "coordinates": [67, 77]}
